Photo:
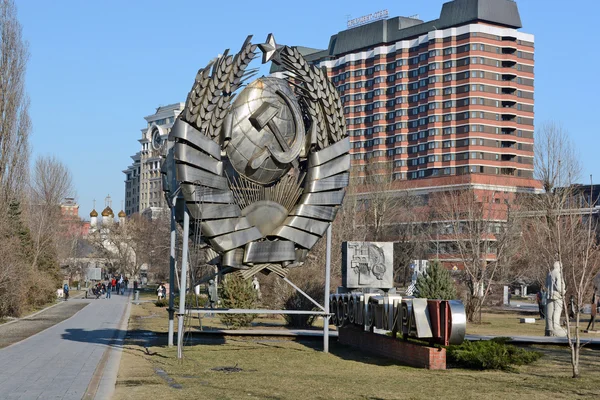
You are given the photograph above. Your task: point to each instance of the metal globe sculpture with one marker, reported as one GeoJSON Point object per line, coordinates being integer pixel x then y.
{"type": "Point", "coordinates": [267, 131]}
{"type": "Point", "coordinates": [262, 169]}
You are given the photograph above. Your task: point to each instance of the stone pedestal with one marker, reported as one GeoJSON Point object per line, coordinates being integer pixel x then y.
{"type": "Point", "coordinates": [385, 346]}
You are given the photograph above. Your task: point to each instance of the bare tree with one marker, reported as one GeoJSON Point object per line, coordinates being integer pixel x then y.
{"type": "Point", "coordinates": [484, 233]}
{"type": "Point", "coordinates": [51, 182]}
{"type": "Point", "coordinates": [561, 226]}
{"type": "Point", "coordinates": [15, 124]}
{"type": "Point", "coordinates": [150, 240]}
{"type": "Point", "coordinates": [15, 127]}
{"type": "Point", "coordinates": [114, 245]}
{"type": "Point", "coordinates": [127, 246]}
{"type": "Point", "coordinates": [410, 232]}
{"type": "Point", "coordinates": [381, 202]}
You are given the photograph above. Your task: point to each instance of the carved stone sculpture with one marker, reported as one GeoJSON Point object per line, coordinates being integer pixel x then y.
{"type": "Point", "coordinates": [367, 265]}
{"type": "Point", "coordinates": [554, 305]}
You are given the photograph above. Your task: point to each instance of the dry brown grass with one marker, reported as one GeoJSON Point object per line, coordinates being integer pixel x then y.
{"type": "Point", "coordinates": [507, 323]}
{"type": "Point", "coordinates": [279, 369]}
{"type": "Point", "coordinates": [274, 368]}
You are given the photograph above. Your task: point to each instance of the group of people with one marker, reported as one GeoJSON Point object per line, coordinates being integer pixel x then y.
{"type": "Point", "coordinates": [116, 284]}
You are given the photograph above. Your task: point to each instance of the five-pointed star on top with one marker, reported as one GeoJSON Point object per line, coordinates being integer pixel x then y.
{"type": "Point", "coordinates": [269, 49]}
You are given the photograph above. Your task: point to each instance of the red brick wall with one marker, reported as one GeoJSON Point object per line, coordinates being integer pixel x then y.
{"type": "Point", "coordinates": [399, 350]}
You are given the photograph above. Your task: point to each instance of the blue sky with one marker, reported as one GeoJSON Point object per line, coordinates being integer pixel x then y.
{"type": "Point", "coordinates": [98, 67]}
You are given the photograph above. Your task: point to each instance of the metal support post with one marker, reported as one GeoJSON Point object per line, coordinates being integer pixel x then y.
{"type": "Point", "coordinates": [183, 284]}
{"type": "Point", "coordinates": [327, 282]}
{"type": "Point", "coordinates": [172, 277]}
{"type": "Point", "coordinates": [303, 293]}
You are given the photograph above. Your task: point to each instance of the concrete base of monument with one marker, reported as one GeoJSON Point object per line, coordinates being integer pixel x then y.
{"type": "Point", "coordinates": [406, 353]}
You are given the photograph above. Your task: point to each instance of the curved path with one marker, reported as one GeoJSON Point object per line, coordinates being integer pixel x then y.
{"type": "Point", "coordinates": [73, 359]}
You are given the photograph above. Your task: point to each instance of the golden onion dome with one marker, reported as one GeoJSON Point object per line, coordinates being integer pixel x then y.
{"type": "Point", "coordinates": [122, 214]}
{"type": "Point", "coordinates": [108, 212]}
{"type": "Point", "coordinates": [94, 213]}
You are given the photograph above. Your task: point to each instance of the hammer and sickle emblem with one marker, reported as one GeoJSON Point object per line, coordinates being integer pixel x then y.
{"type": "Point", "coordinates": [286, 154]}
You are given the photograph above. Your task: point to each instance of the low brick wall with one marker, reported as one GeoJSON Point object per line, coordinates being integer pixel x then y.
{"type": "Point", "coordinates": [397, 349]}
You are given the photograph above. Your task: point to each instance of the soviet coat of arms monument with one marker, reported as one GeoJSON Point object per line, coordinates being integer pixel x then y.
{"type": "Point", "coordinates": [262, 168]}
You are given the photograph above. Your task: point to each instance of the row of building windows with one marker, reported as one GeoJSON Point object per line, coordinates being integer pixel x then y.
{"type": "Point", "coordinates": [162, 121]}
{"type": "Point", "coordinates": [436, 131]}
{"type": "Point", "coordinates": [432, 80]}
{"type": "Point", "coordinates": [460, 102]}
{"type": "Point", "coordinates": [444, 144]}
{"type": "Point", "coordinates": [437, 52]}
{"type": "Point", "coordinates": [463, 170]}
{"type": "Point", "coordinates": [466, 156]}
{"type": "Point", "coordinates": [450, 90]}
{"type": "Point", "coordinates": [438, 118]}
{"type": "Point", "coordinates": [423, 70]}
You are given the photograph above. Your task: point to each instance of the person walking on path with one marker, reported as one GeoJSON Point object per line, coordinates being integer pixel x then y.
{"type": "Point", "coordinates": [122, 285]}
{"type": "Point", "coordinates": [594, 311]}
{"type": "Point", "coordinates": [108, 289]}
{"type": "Point", "coordinates": [541, 300]}
{"type": "Point", "coordinates": [66, 291]}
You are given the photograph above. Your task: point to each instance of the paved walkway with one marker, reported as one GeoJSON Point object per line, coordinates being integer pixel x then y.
{"type": "Point", "coordinates": [16, 330]}
{"type": "Point", "coordinates": [74, 359]}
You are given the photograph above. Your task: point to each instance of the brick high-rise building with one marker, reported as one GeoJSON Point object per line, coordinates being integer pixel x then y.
{"type": "Point", "coordinates": [443, 103]}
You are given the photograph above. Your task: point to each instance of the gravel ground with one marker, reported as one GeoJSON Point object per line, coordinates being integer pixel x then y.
{"type": "Point", "coordinates": [22, 329]}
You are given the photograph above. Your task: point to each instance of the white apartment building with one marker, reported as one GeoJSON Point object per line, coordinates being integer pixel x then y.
{"type": "Point", "coordinates": [143, 189]}
{"type": "Point", "coordinates": [132, 185]}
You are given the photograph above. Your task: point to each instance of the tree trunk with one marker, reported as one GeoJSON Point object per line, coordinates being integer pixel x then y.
{"type": "Point", "coordinates": [575, 358]}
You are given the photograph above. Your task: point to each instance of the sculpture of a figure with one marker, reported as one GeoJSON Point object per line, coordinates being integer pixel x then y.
{"type": "Point", "coordinates": [554, 304]}
{"type": "Point", "coordinates": [213, 296]}
{"type": "Point", "coordinates": [256, 286]}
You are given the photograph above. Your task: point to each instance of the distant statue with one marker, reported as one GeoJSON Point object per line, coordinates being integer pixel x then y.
{"type": "Point", "coordinates": [554, 304]}
{"type": "Point", "coordinates": [213, 297]}
{"type": "Point", "coordinates": [256, 286]}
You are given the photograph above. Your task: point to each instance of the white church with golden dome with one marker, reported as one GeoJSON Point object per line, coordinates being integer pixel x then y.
{"type": "Point", "coordinates": [108, 216]}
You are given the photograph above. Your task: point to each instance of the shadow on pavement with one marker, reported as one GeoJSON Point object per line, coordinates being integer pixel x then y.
{"type": "Point", "coordinates": [146, 338]}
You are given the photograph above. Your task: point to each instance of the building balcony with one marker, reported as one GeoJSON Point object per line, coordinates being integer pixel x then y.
{"type": "Point", "coordinates": [509, 63]}
{"type": "Point", "coordinates": [509, 76]}
{"type": "Point", "coordinates": [508, 144]}
{"type": "Point", "coordinates": [508, 171]}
